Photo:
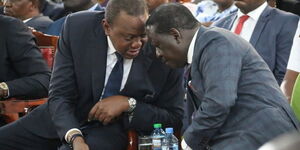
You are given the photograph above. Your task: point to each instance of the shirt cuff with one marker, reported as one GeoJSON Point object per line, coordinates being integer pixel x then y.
{"type": "Point", "coordinates": [70, 133]}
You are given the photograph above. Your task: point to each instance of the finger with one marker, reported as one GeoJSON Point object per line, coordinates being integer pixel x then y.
{"type": "Point", "coordinates": [100, 110]}
{"type": "Point", "coordinates": [92, 112]}
{"type": "Point", "coordinates": [107, 120]}
{"type": "Point", "coordinates": [102, 116]}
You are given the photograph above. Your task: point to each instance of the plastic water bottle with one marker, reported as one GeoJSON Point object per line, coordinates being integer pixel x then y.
{"type": "Point", "coordinates": [157, 135]}
{"type": "Point", "coordinates": [170, 142]}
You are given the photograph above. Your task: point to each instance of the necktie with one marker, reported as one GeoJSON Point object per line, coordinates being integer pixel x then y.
{"type": "Point", "coordinates": [240, 24]}
{"type": "Point", "coordinates": [114, 81]}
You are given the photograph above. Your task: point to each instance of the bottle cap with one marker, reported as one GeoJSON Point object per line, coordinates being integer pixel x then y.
{"type": "Point", "coordinates": [169, 130]}
{"type": "Point", "coordinates": [157, 125]}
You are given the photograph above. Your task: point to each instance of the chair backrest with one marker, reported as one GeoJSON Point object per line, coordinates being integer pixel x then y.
{"type": "Point", "coordinates": [295, 99]}
{"type": "Point", "coordinates": [47, 45]}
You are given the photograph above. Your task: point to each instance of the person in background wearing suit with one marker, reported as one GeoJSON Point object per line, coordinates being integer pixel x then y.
{"type": "Point", "coordinates": [23, 71]}
{"type": "Point", "coordinates": [53, 10]}
{"type": "Point", "coordinates": [269, 30]}
{"type": "Point", "coordinates": [240, 105]}
{"type": "Point", "coordinates": [29, 11]}
{"type": "Point", "coordinates": [211, 11]}
{"type": "Point", "coordinates": [103, 83]}
{"type": "Point", "coordinates": [72, 6]}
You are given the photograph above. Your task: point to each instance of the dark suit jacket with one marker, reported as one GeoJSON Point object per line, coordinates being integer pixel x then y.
{"type": "Point", "coordinates": [272, 37]}
{"type": "Point", "coordinates": [56, 27]}
{"type": "Point", "coordinates": [78, 80]}
{"type": "Point", "coordinates": [292, 6]}
{"type": "Point", "coordinates": [240, 105]}
{"type": "Point", "coordinates": [39, 23]}
{"type": "Point", "coordinates": [21, 64]}
{"type": "Point", "coordinates": [53, 10]}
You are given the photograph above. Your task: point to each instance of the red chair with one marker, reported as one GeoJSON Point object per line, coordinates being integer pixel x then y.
{"type": "Point", "coordinates": [47, 45]}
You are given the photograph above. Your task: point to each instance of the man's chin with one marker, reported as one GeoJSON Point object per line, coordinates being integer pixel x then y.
{"type": "Point", "coordinates": [173, 65]}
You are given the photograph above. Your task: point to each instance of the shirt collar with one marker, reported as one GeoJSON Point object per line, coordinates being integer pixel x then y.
{"type": "Point", "coordinates": [26, 20]}
{"type": "Point", "coordinates": [93, 7]}
{"type": "Point", "coordinates": [191, 48]}
{"type": "Point", "coordinates": [111, 48]}
{"type": "Point", "coordinates": [254, 14]}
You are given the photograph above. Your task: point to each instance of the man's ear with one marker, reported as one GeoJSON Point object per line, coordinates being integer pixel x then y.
{"type": "Point", "coordinates": [106, 26]}
{"type": "Point", "coordinates": [176, 34]}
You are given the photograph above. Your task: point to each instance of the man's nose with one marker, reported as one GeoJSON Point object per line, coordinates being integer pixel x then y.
{"type": "Point", "coordinates": [137, 43]}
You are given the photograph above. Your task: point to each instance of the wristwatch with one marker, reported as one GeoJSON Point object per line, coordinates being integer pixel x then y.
{"type": "Point", "coordinates": [132, 104]}
{"type": "Point", "coordinates": [4, 88]}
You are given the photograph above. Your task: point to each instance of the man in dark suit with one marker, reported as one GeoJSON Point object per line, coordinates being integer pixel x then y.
{"type": "Point", "coordinates": [23, 71]}
{"type": "Point", "coordinates": [269, 30]}
{"type": "Point", "coordinates": [240, 105]}
{"type": "Point", "coordinates": [88, 109]}
{"type": "Point", "coordinates": [29, 11]}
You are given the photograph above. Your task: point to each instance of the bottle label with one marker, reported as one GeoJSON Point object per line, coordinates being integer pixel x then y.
{"type": "Point", "coordinates": [174, 147]}
{"type": "Point", "coordinates": [156, 143]}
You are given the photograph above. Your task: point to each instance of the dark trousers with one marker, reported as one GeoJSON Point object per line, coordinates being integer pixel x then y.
{"type": "Point", "coordinates": [16, 137]}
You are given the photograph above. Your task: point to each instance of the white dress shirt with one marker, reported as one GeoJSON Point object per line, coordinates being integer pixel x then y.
{"type": "Point", "coordinates": [294, 60]}
{"type": "Point", "coordinates": [249, 24]}
{"type": "Point", "coordinates": [110, 63]}
{"type": "Point", "coordinates": [191, 48]}
{"type": "Point", "coordinates": [26, 20]}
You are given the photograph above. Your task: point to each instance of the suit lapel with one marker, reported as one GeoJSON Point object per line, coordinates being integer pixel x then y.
{"type": "Point", "coordinates": [98, 47]}
{"type": "Point", "coordinates": [260, 25]}
{"type": "Point", "coordinates": [228, 23]}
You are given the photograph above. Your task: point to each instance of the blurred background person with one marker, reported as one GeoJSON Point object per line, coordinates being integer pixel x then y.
{"type": "Point", "coordinates": [72, 6]}
{"type": "Point", "coordinates": [269, 30]}
{"type": "Point", "coordinates": [29, 11]}
{"type": "Point", "coordinates": [212, 10]}
{"type": "Point", "coordinates": [53, 10]}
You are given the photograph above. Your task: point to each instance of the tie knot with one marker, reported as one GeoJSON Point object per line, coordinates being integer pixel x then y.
{"type": "Point", "coordinates": [119, 56]}
{"type": "Point", "coordinates": [243, 18]}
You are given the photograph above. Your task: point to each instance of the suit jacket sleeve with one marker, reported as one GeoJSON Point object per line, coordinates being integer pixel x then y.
{"type": "Point", "coordinates": [27, 61]}
{"type": "Point", "coordinates": [63, 89]}
{"type": "Point", "coordinates": [283, 47]}
{"type": "Point", "coordinates": [219, 91]}
{"type": "Point", "coordinates": [167, 108]}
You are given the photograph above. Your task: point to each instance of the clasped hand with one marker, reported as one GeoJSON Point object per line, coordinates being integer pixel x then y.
{"type": "Point", "coordinates": [108, 109]}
